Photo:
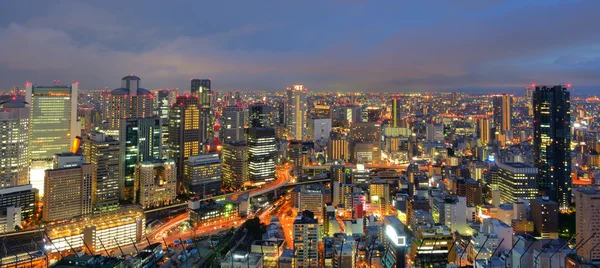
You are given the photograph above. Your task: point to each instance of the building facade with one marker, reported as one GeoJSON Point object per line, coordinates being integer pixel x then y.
{"type": "Point", "coordinates": [103, 153]}
{"type": "Point", "coordinates": [156, 182]}
{"type": "Point", "coordinates": [517, 180]}
{"type": "Point", "coordinates": [235, 165]}
{"type": "Point", "coordinates": [261, 155]}
{"type": "Point", "coordinates": [14, 135]}
{"type": "Point", "coordinates": [202, 175]}
{"type": "Point", "coordinates": [295, 112]}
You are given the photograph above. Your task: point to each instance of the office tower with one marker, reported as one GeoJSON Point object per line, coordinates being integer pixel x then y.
{"type": "Point", "coordinates": [312, 198]}
{"type": "Point", "coordinates": [53, 126]}
{"type": "Point", "coordinates": [140, 140]}
{"type": "Point", "coordinates": [128, 101]}
{"type": "Point", "coordinates": [368, 134]}
{"type": "Point", "coordinates": [156, 182]}
{"type": "Point", "coordinates": [68, 188]}
{"type": "Point", "coordinates": [261, 155]}
{"type": "Point", "coordinates": [528, 99]}
{"type": "Point", "coordinates": [337, 147]}
{"type": "Point", "coordinates": [394, 242]}
{"type": "Point", "coordinates": [587, 203]}
{"type": "Point", "coordinates": [484, 131]}
{"type": "Point", "coordinates": [261, 115]}
{"type": "Point", "coordinates": [14, 133]}
{"type": "Point", "coordinates": [552, 141]}
{"type": "Point", "coordinates": [184, 131]}
{"type": "Point", "coordinates": [235, 165]}
{"type": "Point", "coordinates": [234, 120]}
{"type": "Point", "coordinates": [202, 89]}
{"type": "Point", "coordinates": [544, 214]}
{"type": "Point", "coordinates": [517, 180]}
{"type": "Point", "coordinates": [22, 196]}
{"type": "Point", "coordinates": [502, 112]}
{"type": "Point", "coordinates": [202, 175]}
{"type": "Point", "coordinates": [435, 132]}
{"type": "Point", "coordinates": [306, 240]}
{"type": "Point", "coordinates": [295, 112]}
{"type": "Point", "coordinates": [163, 107]}
{"type": "Point", "coordinates": [318, 129]}
{"type": "Point", "coordinates": [103, 153]}
{"type": "Point", "coordinates": [294, 155]}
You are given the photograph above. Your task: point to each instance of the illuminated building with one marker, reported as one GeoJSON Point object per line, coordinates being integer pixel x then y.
{"type": "Point", "coordinates": [68, 188]}
{"type": "Point", "coordinates": [451, 211]}
{"type": "Point", "coordinates": [294, 155]}
{"type": "Point", "coordinates": [234, 120]}
{"type": "Point", "coordinates": [551, 142]}
{"type": "Point", "coordinates": [22, 196]}
{"type": "Point", "coordinates": [261, 155]}
{"type": "Point", "coordinates": [432, 244]}
{"type": "Point", "coordinates": [9, 218]}
{"type": "Point", "coordinates": [207, 213]}
{"type": "Point", "coordinates": [337, 147]}
{"type": "Point", "coordinates": [312, 198]}
{"type": "Point", "coordinates": [484, 131]}
{"type": "Point", "coordinates": [184, 131]}
{"type": "Point", "coordinates": [306, 240]}
{"type": "Point", "coordinates": [272, 249]}
{"type": "Point", "coordinates": [343, 116]}
{"type": "Point", "coordinates": [243, 259]}
{"type": "Point", "coordinates": [394, 242]}
{"type": "Point", "coordinates": [103, 153]}
{"type": "Point", "coordinates": [366, 133]}
{"type": "Point", "coordinates": [202, 89]}
{"type": "Point", "coordinates": [587, 203]}
{"type": "Point", "coordinates": [140, 140]}
{"type": "Point", "coordinates": [517, 180]}
{"type": "Point", "coordinates": [235, 164]}
{"type": "Point", "coordinates": [53, 126]}
{"type": "Point", "coordinates": [321, 111]}
{"type": "Point", "coordinates": [98, 231]}
{"type": "Point", "coordinates": [502, 112]}
{"type": "Point", "coordinates": [318, 129]}
{"type": "Point", "coordinates": [202, 174]}
{"type": "Point", "coordinates": [343, 255]}
{"type": "Point", "coordinates": [380, 195]}
{"type": "Point", "coordinates": [435, 132]}
{"type": "Point", "coordinates": [14, 135]}
{"type": "Point", "coordinates": [128, 101]}
{"type": "Point", "coordinates": [156, 182]}
{"type": "Point", "coordinates": [260, 115]}
{"type": "Point", "coordinates": [529, 97]}
{"type": "Point", "coordinates": [295, 112]}
{"type": "Point", "coordinates": [544, 214]}
{"type": "Point", "coordinates": [163, 107]}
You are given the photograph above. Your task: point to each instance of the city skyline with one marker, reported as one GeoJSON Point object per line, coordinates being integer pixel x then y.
{"type": "Point", "coordinates": [335, 46]}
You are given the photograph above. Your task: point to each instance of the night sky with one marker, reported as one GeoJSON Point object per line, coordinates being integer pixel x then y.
{"type": "Point", "coordinates": [354, 45]}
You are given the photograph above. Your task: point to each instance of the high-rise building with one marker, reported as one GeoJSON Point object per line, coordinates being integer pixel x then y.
{"type": "Point", "coordinates": [234, 120]}
{"type": "Point", "coordinates": [318, 129]}
{"type": "Point", "coordinates": [184, 131]}
{"type": "Point", "coordinates": [14, 135]}
{"type": "Point", "coordinates": [517, 180]}
{"type": "Point", "coordinates": [163, 107]}
{"type": "Point", "coordinates": [140, 140]}
{"type": "Point", "coordinates": [260, 115]}
{"type": "Point", "coordinates": [53, 126]}
{"type": "Point", "coordinates": [294, 155]}
{"type": "Point", "coordinates": [103, 153]}
{"type": "Point", "coordinates": [68, 188]}
{"type": "Point", "coordinates": [337, 147]}
{"type": "Point", "coordinates": [366, 133]}
{"type": "Point", "coordinates": [502, 112]}
{"type": "Point", "coordinates": [552, 141]}
{"type": "Point", "coordinates": [435, 132]}
{"type": "Point", "coordinates": [202, 175]}
{"type": "Point", "coordinates": [544, 214]}
{"type": "Point", "coordinates": [156, 183]}
{"type": "Point", "coordinates": [306, 240]}
{"type": "Point", "coordinates": [22, 196]}
{"type": "Point", "coordinates": [261, 155]}
{"type": "Point", "coordinates": [380, 195]}
{"type": "Point", "coordinates": [295, 112]}
{"type": "Point", "coordinates": [128, 101]}
{"type": "Point", "coordinates": [202, 89]}
{"type": "Point", "coordinates": [312, 198]}
{"type": "Point", "coordinates": [394, 241]}
{"type": "Point", "coordinates": [484, 131]}
{"type": "Point", "coordinates": [587, 203]}
{"type": "Point", "coordinates": [528, 100]}
{"type": "Point", "coordinates": [235, 165]}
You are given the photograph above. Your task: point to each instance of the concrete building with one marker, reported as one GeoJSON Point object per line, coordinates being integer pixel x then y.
{"type": "Point", "coordinates": [318, 129]}
{"type": "Point", "coordinates": [261, 155]}
{"type": "Point", "coordinates": [128, 101]}
{"type": "Point", "coordinates": [368, 134]}
{"type": "Point", "coordinates": [306, 241]}
{"type": "Point", "coordinates": [379, 191]}
{"type": "Point", "coordinates": [395, 242]}
{"type": "Point", "coordinates": [202, 175]}
{"type": "Point", "coordinates": [544, 214]}
{"type": "Point", "coordinates": [235, 119]}
{"type": "Point", "coordinates": [517, 180]}
{"type": "Point", "coordinates": [22, 196]}
{"type": "Point", "coordinates": [502, 112]}
{"type": "Point", "coordinates": [235, 165]}
{"type": "Point", "coordinates": [103, 154]}
{"type": "Point", "coordinates": [337, 147]}
{"type": "Point", "coordinates": [156, 183]}
{"type": "Point", "coordinates": [587, 203]}
{"type": "Point", "coordinates": [435, 132]}
{"type": "Point", "coordinates": [295, 112]}
{"type": "Point", "coordinates": [10, 217]}
{"type": "Point", "coordinates": [184, 131]}
{"type": "Point", "coordinates": [202, 88]}
{"type": "Point", "coordinates": [14, 135]}
{"type": "Point", "coordinates": [69, 188]}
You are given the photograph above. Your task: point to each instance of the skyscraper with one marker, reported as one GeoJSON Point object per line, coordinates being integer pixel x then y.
{"type": "Point", "coordinates": [103, 153]}
{"type": "Point", "coordinates": [234, 122]}
{"type": "Point", "coordinates": [261, 155]}
{"type": "Point", "coordinates": [156, 183]}
{"type": "Point", "coordinates": [14, 130]}
{"type": "Point", "coordinates": [128, 101]}
{"type": "Point", "coordinates": [68, 188]}
{"type": "Point", "coordinates": [502, 112]}
{"type": "Point", "coordinates": [202, 89]}
{"type": "Point", "coordinates": [260, 115]}
{"type": "Point", "coordinates": [184, 131]}
{"type": "Point", "coordinates": [588, 216]}
{"type": "Point", "coordinates": [306, 240]}
{"type": "Point", "coordinates": [295, 115]}
{"type": "Point", "coordinates": [366, 135]}
{"type": "Point", "coordinates": [140, 140]}
{"type": "Point", "coordinates": [235, 164]}
{"type": "Point", "coordinates": [484, 130]}
{"type": "Point", "coordinates": [53, 126]}
{"type": "Point", "coordinates": [551, 142]}
{"type": "Point", "coordinates": [163, 106]}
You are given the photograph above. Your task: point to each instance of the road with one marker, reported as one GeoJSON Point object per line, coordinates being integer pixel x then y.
{"type": "Point", "coordinates": [283, 177]}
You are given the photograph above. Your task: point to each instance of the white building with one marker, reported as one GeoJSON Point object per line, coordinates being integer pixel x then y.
{"type": "Point", "coordinates": [14, 134]}
{"type": "Point", "coordinates": [456, 215]}
{"type": "Point", "coordinates": [9, 218]}
{"type": "Point", "coordinates": [295, 112]}
{"type": "Point", "coordinates": [318, 129]}
{"type": "Point", "coordinates": [234, 120]}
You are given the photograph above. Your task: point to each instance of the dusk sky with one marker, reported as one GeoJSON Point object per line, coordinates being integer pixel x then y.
{"type": "Point", "coordinates": [352, 45]}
